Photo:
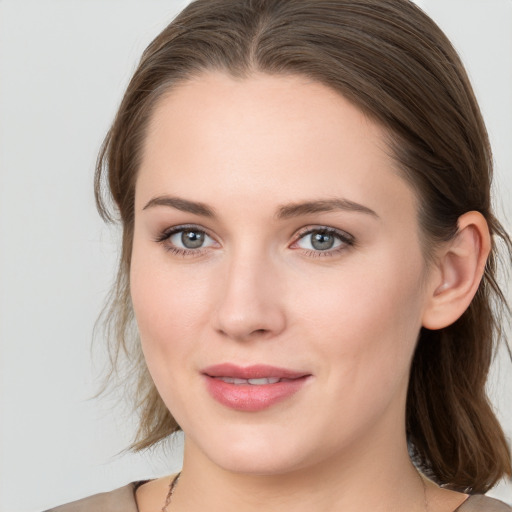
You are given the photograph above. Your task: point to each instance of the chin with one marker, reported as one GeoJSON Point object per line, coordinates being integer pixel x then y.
{"type": "Point", "coordinates": [256, 453]}
{"type": "Point", "coordinates": [251, 463]}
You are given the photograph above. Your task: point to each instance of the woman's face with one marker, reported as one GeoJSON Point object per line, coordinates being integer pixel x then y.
{"type": "Point", "coordinates": [275, 241]}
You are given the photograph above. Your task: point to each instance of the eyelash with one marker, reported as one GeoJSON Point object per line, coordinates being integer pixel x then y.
{"type": "Point", "coordinates": [346, 240]}
{"type": "Point", "coordinates": [165, 236]}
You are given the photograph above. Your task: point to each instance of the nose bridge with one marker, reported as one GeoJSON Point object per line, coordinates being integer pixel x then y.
{"type": "Point", "coordinates": [250, 301]}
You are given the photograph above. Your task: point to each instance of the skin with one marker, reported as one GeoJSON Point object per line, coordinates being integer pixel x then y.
{"type": "Point", "coordinates": [257, 291]}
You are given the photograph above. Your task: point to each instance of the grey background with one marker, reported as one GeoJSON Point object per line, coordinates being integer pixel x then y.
{"type": "Point", "coordinates": [63, 68]}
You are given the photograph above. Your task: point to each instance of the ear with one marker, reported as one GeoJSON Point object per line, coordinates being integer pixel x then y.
{"type": "Point", "coordinates": [460, 264]}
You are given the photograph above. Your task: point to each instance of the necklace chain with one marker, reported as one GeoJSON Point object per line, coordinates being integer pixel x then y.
{"type": "Point", "coordinates": [172, 486]}
{"type": "Point", "coordinates": [426, 505]}
{"type": "Point", "coordinates": [174, 482]}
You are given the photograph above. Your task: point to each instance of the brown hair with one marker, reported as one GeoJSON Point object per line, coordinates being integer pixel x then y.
{"type": "Point", "coordinates": [396, 65]}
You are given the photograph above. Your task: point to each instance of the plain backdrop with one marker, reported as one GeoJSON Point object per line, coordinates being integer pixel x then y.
{"type": "Point", "coordinates": [63, 67]}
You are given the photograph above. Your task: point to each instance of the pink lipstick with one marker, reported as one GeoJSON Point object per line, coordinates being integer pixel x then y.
{"type": "Point", "coordinates": [252, 388]}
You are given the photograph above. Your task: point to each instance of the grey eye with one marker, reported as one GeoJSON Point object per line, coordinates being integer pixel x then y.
{"type": "Point", "coordinates": [321, 240]}
{"type": "Point", "coordinates": [190, 239]}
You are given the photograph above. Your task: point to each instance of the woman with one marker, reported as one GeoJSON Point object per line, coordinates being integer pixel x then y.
{"type": "Point", "coordinates": [309, 254]}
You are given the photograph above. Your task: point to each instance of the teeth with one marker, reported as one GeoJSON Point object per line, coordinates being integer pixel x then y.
{"type": "Point", "coordinates": [229, 380]}
{"type": "Point", "coordinates": [259, 382]}
{"type": "Point", "coordinates": [253, 382]}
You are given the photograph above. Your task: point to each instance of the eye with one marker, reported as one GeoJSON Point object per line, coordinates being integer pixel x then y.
{"type": "Point", "coordinates": [324, 239]}
{"type": "Point", "coordinates": [189, 239]}
{"type": "Point", "coordinates": [185, 240]}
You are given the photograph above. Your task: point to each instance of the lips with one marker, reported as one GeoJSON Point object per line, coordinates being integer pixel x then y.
{"type": "Point", "coordinates": [252, 388]}
{"type": "Point", "coordinates": [259, 371]}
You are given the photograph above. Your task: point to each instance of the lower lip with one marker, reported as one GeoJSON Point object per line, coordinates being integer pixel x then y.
{"type": "Point", "coordinates": [252, 398]}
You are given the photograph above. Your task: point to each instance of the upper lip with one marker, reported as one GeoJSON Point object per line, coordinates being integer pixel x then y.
{"type": "Point", "coordinates": [257, 371]}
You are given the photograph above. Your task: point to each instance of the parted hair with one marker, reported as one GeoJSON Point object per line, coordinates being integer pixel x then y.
{"type": "Point", "coordinates": [394, 63]}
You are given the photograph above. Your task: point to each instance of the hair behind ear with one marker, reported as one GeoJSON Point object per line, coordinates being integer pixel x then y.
{"type": "Point", "coordinates": [452, 430]}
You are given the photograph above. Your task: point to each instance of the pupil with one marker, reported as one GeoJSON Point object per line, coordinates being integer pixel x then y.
{"type": "Point", "coordinates": [322, 241]}
{"type": "Point", "coordinates": [192, 239]}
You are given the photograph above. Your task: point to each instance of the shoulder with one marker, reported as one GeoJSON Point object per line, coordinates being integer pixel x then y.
{"type": "Point", "coordinates": [119, 500]}
{"type": "Point", "coordinates": [481, 503]}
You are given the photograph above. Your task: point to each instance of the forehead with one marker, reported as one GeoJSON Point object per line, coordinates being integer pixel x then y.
{"type": "Point", "coordinates": [284, 138]}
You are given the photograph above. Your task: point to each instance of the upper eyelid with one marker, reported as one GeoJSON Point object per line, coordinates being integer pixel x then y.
{"type": "Point", "coordinates": [167, 232]}
{"type": "Point", "coordinates": [312, 229]}
{"type": "Point", "coordinates": [164, 239]}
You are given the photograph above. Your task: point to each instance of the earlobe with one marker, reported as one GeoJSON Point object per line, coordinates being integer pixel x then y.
{"type": "Point", "coordinates": [459, 270]}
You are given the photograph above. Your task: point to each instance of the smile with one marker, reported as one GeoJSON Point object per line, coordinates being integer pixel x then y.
{"type": "Point", "coordinates": [253, 388]}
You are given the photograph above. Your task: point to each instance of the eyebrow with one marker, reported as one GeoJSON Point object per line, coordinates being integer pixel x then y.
{"type": "Point", "coordinates": [322, 205]}
{"type": "Point", "coordinates": [283, 212]}
{"type": "Point", "coordinates": [181, 204]}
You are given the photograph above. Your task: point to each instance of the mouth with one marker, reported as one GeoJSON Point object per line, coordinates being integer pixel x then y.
{"type": "Point", "coordinates": [252, 388]}
{"type": "Point", "coordinates": [253, 382]}
{"type": "Point", "coordinates": [254, 374]}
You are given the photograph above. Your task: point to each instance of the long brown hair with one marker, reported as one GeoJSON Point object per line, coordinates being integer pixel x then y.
{"type": "Point", "coordinates": [396, 65]}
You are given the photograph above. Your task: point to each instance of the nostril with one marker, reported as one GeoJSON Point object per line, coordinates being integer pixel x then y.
{"type": "Point", "coordinates": [241, 321]}
{"type": "Point", "coordinates": [255, 333]}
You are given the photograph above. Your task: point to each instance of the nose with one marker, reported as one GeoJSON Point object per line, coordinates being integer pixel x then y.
{"type": "Point", "coordinates": [251, 304]}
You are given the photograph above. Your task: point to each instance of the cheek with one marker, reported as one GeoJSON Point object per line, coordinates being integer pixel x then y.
{"type": "Point", "coordinates": [162, 304]}
{"type": "Point", "coordinates": [367, 317]}
{"type": "Point", "coordinates": [170, 310]}
{"type": "Point", "coordinates": [170, 303]}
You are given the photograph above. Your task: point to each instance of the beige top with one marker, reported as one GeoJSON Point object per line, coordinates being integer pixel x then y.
{"type": "Point", "coordinates": [123, 500]}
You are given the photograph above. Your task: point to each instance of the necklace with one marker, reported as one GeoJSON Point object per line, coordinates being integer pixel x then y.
{"type": "Point", "coordinates": [425, 499]}
{"type": "Point", "coordinates": [172, 486]}
{"type": "Point", "coordinates": [174, 482]}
